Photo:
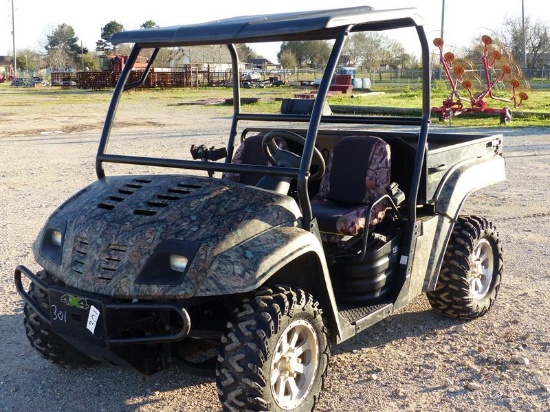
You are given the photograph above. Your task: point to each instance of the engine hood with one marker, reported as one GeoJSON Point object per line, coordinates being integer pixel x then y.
{"type": "Point", "coordinates": [116, 236]}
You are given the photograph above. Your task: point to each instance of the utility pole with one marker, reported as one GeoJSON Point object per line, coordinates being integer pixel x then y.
{"type": "Point", "coordinates": [524, 38]}
{"type": "Point", "coordinates": [442, 33]}
{"type": "Point", "coordinates": [443, 18]}
{"type": "Point", "coordinates": [13, 37]}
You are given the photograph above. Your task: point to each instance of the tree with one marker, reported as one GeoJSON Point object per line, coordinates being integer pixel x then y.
{"type": "Point", "coordinates": [165, 57]}
{"type": "Point", "coordinates": [149, 24]}
{"type": "Point", "coordinates": [197, 55]}
{"type": "Point", "coordinates": [31, 61]}
{"type": "Point", "coordinates": [370, 50]}
{"type": "Point", "coordinates": [311, 53]}
{"type": "Point", "coordinates": [58, 59]}
{"type": "Point", "coordinates": [104, 44]}
{"type": "Point", "coordinates": [91, 62]}
{"type": "Point", "coordinates": [287, 59]}
{"type": "Point", "coordinates": [354, 49]}
{"type": "Point", "coordinates": [63, 47]}
{"type": "Point", "coordinates": [537, 41]}
{"type": "Point", "coordinates": [508, 41]}
{"type": "Point", "coordinates": [393, 53]}
{"type": "Point", "coordinates": [246, 53]}
{"type": "Point", "coordinates": [293, 48]}
{"type": "Point", "coordinates": [317, 53]}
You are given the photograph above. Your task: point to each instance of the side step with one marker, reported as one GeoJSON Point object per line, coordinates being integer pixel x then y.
{"type": "Point", "coordinates": [355, 319]}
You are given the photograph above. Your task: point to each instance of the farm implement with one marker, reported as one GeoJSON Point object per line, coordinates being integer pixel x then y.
{"type": "Point", "coordinates": [494, 73]}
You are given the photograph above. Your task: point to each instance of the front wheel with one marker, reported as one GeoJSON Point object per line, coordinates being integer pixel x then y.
{"type": "Point", "coordinates": [275, 356]}
{"type": "Point", "coordinates": [471, 272]}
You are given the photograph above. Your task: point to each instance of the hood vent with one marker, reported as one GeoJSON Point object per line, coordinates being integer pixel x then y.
{"type": "Point", "coordinates": [108, 263]}
{"type": "Point", "coordinates": [182, 189]}
{"type": "Point", "coordinates": [110, 259]}
{"type": "Point", "coordinates": [80, 252]}
{"type": "Point", "coordinates": [162, 200]}
{"type": "Point", "coordinates": [122, 194]}
{"type": "Point", "coordinates": [150, 207]}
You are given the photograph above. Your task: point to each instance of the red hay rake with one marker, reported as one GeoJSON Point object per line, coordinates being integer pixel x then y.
{"type": "Point", "coordinates": [493, 75]}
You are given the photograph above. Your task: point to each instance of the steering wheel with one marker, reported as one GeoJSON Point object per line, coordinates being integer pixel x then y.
{"type": "Point", "coordinates": [281, 157]}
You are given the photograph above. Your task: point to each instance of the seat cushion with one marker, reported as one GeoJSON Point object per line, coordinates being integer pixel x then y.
{"type": "Point", "coordinates": [345, 219]}
{"type": "Point", "coordinates": [358, 173]}
{"type": "Point", "coordinates": [358, 170]}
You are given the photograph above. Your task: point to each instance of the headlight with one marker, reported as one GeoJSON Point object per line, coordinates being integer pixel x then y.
{"type": "Point", "coordinates": [169, 263]}
{"type": "Point", "coordinates": [178, 263]}
{"type": "Point", "coordinates": [56, 237]}
{"type": "Point", "coordinates": [52, 242]}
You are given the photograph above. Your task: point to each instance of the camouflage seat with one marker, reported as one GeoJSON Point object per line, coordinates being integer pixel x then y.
{"type": "Point", "coordinates": [358, 173]}
{"type": "Point", "coordinates": [250, 152]}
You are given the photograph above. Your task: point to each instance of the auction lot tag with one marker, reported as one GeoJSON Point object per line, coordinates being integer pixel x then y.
{"type": "Point", "coordinates": [93, 317]}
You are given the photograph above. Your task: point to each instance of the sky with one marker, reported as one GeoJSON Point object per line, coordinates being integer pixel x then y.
{"type": "Point", "coordinates": [34, 19]}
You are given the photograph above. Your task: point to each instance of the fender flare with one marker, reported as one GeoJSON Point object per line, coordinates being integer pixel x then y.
{"type": "Point", "coordinates": [462, 180]}
{"type": "Point", "coordinates": [248, 265]}
{"type": "Point", "coordinates": [465, 178]}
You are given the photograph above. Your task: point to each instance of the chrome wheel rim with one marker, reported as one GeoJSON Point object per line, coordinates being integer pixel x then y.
{"type": "Point", "coordinates": [481, 269]}
{"type": "Point", "coordinates": [294, 364]}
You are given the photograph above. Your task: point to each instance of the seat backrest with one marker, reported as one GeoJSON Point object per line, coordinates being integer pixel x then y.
{"type": "Point", "coordinates": [250, 152]}
{"type": "Point", "coordinates": [358, 170]}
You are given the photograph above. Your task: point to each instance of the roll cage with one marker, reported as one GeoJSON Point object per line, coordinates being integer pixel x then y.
{"type": "Point", "coordinates": [333, 25]}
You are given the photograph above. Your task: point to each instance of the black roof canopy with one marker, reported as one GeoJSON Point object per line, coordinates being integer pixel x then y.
{"type": "Point", "coordinates": [321, 24]}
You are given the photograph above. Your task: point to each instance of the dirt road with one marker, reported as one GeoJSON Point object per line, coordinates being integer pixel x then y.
{"type": "Point", "coordinates": [414, 361]}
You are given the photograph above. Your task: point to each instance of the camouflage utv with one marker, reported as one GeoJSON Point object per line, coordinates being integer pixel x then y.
{"type": "Point", "coordinates": [251, 260]}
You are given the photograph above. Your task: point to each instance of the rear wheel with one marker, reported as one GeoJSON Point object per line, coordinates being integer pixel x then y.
{"type": "Point", "coordinates": [275, 356]}
{"type": "Point", "coordinates": [40, 334]}
{"type": "Point", "coordinates": [471, 273]}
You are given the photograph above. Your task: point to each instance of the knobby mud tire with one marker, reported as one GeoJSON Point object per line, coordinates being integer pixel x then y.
{"type": "Point", "coordinates": [244, 368]}
{"type": "Point", "coordinates": [41, 337]}
{"type": "Point", "coordinates": [456, 295]}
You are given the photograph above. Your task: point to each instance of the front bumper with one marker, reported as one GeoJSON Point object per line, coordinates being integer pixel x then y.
{"type": "Point", "coordinates": [104, 328]}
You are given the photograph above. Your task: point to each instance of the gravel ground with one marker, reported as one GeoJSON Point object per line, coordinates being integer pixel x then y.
{"type": "Point", "coordinates": [416, 360]}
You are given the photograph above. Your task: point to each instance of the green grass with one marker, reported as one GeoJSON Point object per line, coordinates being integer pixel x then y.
{"type": "Point", "coordinates": [535, 112]}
